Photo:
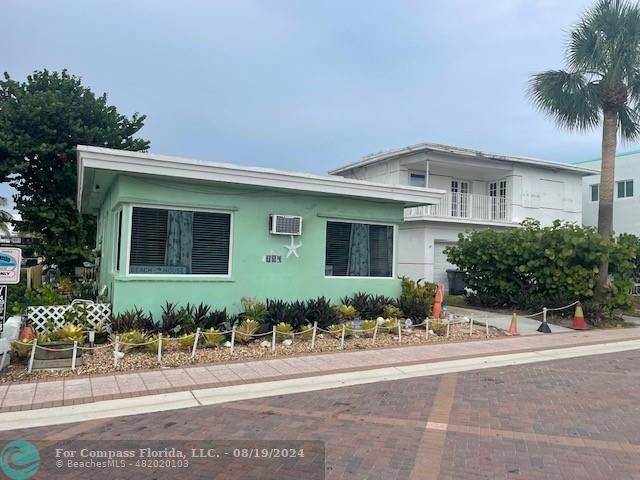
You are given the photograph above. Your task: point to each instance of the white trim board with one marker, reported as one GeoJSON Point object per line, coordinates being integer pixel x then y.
{"type": "Point", "coordinates": [91, 159]}
{"type": "Point", "coordinates": [213, 396]}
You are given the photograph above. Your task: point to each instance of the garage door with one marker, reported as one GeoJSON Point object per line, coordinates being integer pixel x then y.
{"type": "Point", "coordinates": [440, 263]}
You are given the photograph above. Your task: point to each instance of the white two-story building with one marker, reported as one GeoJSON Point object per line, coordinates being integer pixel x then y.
{"type": "Point", "coordinates": [626, 203]}
{"type": "Point", "coordinates": [483, 190]}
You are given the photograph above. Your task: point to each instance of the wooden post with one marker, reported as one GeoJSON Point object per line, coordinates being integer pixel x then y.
{"type": "Point", "coordinates": [426, 331]}
{"type": "Point", "coordinates": [486, 327]}
{"type": "Point", "coordinates": [375, 333]}
{"type": "Point", "coordinates": [344, 327]}
{"type": "Point", "coordinates": [160, 348]}
{"type": "Point", "coordinates": [233, 338]}
{"type": "Point", "coordinates": [74, 356]}
{"type": "Point", "coordinates": [399, 332]}
{"type": "Point", "coordinates": [195, 344]}
{"type": "Point", "coordinates": [313, 336]}
{"type": "Point", "coordinates": [448, 326]}
{"type": "Point", "coordinates": [273, 340]}
{"type": "Point", "coordinates": [116, 349]}
{"type": "Point", "coordinates": [33, 353]}
{"type": "Point", "coordinates": [471, 327]}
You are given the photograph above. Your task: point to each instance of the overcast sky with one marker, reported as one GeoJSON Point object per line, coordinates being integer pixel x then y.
{"type": "Point", "coordinates": [308, 85]}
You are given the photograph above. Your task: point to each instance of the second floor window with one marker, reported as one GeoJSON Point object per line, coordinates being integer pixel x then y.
{"type": "Point", "coordinates": [417, 180]}
{"type": "Point", "coordinates": [625, 188]}
{"type": "Point", "coordinates": [595, 192]}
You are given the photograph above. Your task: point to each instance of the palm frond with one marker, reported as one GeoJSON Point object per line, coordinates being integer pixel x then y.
{"type": "Point", "coordinates": [567, 97]}
{"type": "Point", "coordinates": [629, 123]}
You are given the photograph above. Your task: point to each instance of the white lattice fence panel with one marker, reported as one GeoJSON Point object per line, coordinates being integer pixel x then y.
{"type": "Point", "coordinates": [40, 316]}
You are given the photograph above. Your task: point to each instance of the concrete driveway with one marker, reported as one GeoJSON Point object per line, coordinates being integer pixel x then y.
{"type": "Point", "coordinates": [526, 326]}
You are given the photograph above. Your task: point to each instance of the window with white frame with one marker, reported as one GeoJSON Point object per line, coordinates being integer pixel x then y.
{"type": "Point", "coordinates": [117, 240]}
{"type": "Point", "coordinates": [625, 188]}
{"type": "Point", "coordinates": [417, 180]}
{"type": "Point", "coordinates": [179, 242]}
{"type": "Point", "coordinates": [595, 192]}
{"type": "Point", "coordinates": [359, 250]}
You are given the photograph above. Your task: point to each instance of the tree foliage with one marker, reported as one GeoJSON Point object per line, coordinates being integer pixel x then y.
{"type": "Point", "coordinates": [534, 266]}
{"type": "Point", "coordinates": [42, 120]}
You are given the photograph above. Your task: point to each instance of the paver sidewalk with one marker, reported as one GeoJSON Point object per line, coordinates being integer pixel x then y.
{"type": "Point", "coordinates": [71, 391]}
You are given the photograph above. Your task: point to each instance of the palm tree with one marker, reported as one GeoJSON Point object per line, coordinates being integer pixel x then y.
{"type": "Point", "coordinates": [601, 86]}
{"type": "Point", "coordinates": [5, 217]}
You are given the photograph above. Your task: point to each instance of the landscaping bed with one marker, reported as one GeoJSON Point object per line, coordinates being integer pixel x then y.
{"type": "Point", "coordinates": [101, 361]}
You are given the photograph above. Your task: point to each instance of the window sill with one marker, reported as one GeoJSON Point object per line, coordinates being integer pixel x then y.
{"type": "Point", "coordinates": [174, 278]}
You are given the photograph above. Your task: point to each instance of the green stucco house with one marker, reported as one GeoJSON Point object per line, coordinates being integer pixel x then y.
{"type": "Point", "coordinates": [180, 230]}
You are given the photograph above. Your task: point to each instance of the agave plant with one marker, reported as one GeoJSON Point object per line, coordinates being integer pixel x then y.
{"type": "Point", "coordinates": [306, 331]}
{"type": "Point", "coordinates": [131, 340]}
{"type": "Point", "coordinates": [22, 347]}
{"type": "Point", "coordinates": [186, 341]}
{"type": "Point", "coordinates": [68, 333]}
{"type": "Point", "coordinates": [320, 310]}
{"type": "Point", "coordinates": [212, 337]}
{"type": "Point", "coordinates": [284, 331]}
{"type": "Point", "coordinates": [336, 330]}
{"type": "Point", "coordinates": [390, 325]}
{"type": "Point", "coordinates": [368, 327]}
{"type": "Point", "coordinates": [347, 312]}
{"type": "Point", "coordinates": [246, 329]}
{"type": "Point", "coordinates": [254, 309]}
{"type": "Point", "coordinates": [154, 341]}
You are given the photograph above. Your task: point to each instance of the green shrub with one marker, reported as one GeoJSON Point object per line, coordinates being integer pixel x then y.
{"type": "Point", "coordinates": [367, 305]}
{"type": "Point", "coordinates": [416, 299]}
{"type": "Point", "coordinates": [320, 310]}
{"type": "Point", "coordinates": [390, 325]}
{"type": "Point", "coordinates": [254, 310]}
{"type": "Point", "coordinates": [533, 267]}
{"type": "Point", "coordinates": [391, 311]}
{"type": "Point", "coordinates": [134, 319]}
{"type": "Point", "coordinates": [186, 341]}
{"type": "Point", "coordinates": [306, 331]}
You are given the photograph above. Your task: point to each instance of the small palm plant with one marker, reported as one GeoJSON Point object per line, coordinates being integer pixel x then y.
{"type": "Point", "coordinates": [601, 86]}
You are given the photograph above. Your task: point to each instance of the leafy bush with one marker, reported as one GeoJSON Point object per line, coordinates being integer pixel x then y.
{"type": "Point", "coordinates": [416, 299]}
{"type": "Point", "coordinates": [283, 331]}
{"type": "Point", "coordinates": [533, 266]}
{"type": "Point", "coordinates": [391, 311]}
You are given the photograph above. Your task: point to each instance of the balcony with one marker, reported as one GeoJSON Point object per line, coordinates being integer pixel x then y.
{"type": "Point", "coordinates": [465, 207]}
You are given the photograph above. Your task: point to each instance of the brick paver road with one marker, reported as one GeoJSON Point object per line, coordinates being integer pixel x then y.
{"type": "Point", "coordinates": [566, 419]}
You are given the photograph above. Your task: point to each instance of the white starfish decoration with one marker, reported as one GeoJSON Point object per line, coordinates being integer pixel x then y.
{"type": "Point", "coordinates": [292, 248]}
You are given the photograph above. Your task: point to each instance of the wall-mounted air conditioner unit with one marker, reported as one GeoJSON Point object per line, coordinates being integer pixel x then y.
{"type": "Point", "coordinates": [285, 225]}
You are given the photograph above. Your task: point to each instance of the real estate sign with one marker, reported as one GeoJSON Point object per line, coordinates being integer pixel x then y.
{"type": "Point", "coordinates": [10, 260]}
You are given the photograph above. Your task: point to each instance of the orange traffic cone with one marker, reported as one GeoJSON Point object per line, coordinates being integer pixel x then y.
{"type": "Point", "coordinates": [578, 319]}
{"type": "Point", "coordinates": [437, 303]}
{"type": "Point", "coordinates": [513, 328]}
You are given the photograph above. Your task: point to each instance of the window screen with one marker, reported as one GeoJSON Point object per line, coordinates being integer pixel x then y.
{"type": "Point", "coordinates": [179, 242]}
{"type": "Point", "coordinates": [359, 250]}
{"type": "Point", "coordinates": [625, 188]}
{"type": "Point", "coordinates": [595, 192]}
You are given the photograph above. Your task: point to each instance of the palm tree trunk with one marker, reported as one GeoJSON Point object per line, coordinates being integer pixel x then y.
{"type": "Point", "coordinates": [607, 182]}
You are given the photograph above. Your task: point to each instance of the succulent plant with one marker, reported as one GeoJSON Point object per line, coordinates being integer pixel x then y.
{"type": "Point", "coordinates": [68, 333]}
{"type": "Point", "coordinates": [213, 337]}
{"type": "Point", "coordinates": [368, 327]}
{"type": "Point", "coordinates": [336, 330]}
{"type": "Point", "coordinates": [246, 329]}
{"type": "Point", "coordinates": [284, 331]}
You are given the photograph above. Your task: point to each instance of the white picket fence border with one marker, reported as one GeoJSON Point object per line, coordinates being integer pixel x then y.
{"type": "Point", "coordinates": [39, 316]}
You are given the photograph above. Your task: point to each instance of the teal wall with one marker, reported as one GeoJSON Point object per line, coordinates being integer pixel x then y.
{"type": "Point", "coordinates": [294, 278]}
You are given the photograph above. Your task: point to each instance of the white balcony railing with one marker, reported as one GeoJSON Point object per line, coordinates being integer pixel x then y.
{"type": "Point", "coordinates": [470, 206]}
